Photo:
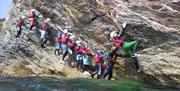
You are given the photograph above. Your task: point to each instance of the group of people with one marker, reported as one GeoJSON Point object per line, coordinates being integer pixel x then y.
{"type": "Point", "coordinates": [32, 17]}
{"type": "Point", "coordinates": [67, 43]}
{"type": "Point", "coordinates": [105, 61]}
{"type": "Point", "coordinates": [21, 22]}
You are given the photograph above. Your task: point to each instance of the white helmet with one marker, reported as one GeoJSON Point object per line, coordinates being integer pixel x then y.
{"type": "Point", "coordinates": [72, 36]}
{"type": "Point", "coordinates": [113, 33]}
{"type": "Point", "coordinates": [40, 16]}
{"type": "Point", "coordinates": [124, 25]}
{"type": "Point", "coordinates": [33, 10]}
{"type": "Point", "coordinates": [78, 42]}
{"type": "Point", "coordinates": [65, 31]}
{"type": "Point", "coordinates": [23, 17]}
{"type": "Point", "coordinates": [48, 20]}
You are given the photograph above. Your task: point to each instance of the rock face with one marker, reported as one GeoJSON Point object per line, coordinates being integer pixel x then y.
{"type": "Point", "coordinates": [156, 23]}
{"type": "Point", "coordinates": [1, 23]}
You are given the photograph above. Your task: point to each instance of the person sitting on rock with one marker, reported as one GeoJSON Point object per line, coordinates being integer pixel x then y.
{"type": "Point", "coordinates": [20, 23]}
{"type": "Point", "coordinates": [64, 45]}
{"type": "Point", "coordinates": [128, 46]}
{"type": "Point", "coordinates": [44, 32]}
{"type": "Point", "coordinates": [98, 58]}
{"type": "Point", "coordinates": [79, 55]}
{"type": "Point", "coordinates": [31, 15]}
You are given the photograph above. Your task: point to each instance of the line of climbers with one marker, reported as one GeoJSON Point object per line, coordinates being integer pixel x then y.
{"type": "Point", "coordinates": [70, 44]}
{"type": "Point", "coordinates": [32, 18]}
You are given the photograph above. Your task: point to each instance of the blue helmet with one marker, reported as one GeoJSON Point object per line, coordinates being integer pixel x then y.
{"type": "Point", "coordinates": [59, 34]}
{"type": "Point", "coordinates": [99, 51]}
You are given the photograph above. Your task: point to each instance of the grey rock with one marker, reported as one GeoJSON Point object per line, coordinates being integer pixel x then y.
{"type": "Point", "coordinates": [158, 31]}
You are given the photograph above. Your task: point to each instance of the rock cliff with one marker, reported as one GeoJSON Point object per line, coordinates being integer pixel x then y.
{"type": "Point", "coordinates": [156, 23]}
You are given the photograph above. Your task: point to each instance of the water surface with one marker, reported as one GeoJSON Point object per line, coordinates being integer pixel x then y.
{"type": "Point", "coordinates": [76, 84]}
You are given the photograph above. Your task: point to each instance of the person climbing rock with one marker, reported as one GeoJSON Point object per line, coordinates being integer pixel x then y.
{"type": "Point", "coordinates": [113, 54]}
{"type": "Point", "coordinates": [86, 63]}
{"type": "Point", "coordinates": [59, 36]}
{"type": "Point", "coordinates": [109, 61]}
{"type": "Point", "coordinates": [31, 15]}
{"type": "Point", "coordinates": [98, 59]}
{"type": "Point", "coordinates": [44, 32]}
{"type": "Point", "coordinates": [128, 46]}
{"type": "Point", "coordinates": [64, 45]}
{"type": "Point", "coordinates": [71, 43]}
{"type": "Point", "coordinates": [79, 55]}
{"type": "Point", "coordinates": [71, 48]}
{"type": "Point", "coordinates": [20, 23]}
{"type": "Point", "coordinates": [57, 46]}
{"type": "Point", "coordinates": [108, 68]}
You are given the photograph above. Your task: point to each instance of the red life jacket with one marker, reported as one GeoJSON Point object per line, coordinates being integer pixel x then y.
{"type": "Point", "coordinates": [71, 43]}
{"type": "Point", "coordinates": [31, 14]}
{"type": "Point", "coordinates": [59, 39]}
{"type": "Point", "coordinates": [97, 58]}
{"type": "Point", "coordinates": [87, 51]}
{"type": "Point", "coordinates": [118, 41]}
{"type": "Point", "coordinates": [20, 22]}
{"type": "Point", "coordinates": [44, 26]}
{"type": "Point", "coordinates": [64, 38]}
{"type": "Point", "coordinates": [79, 49]}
